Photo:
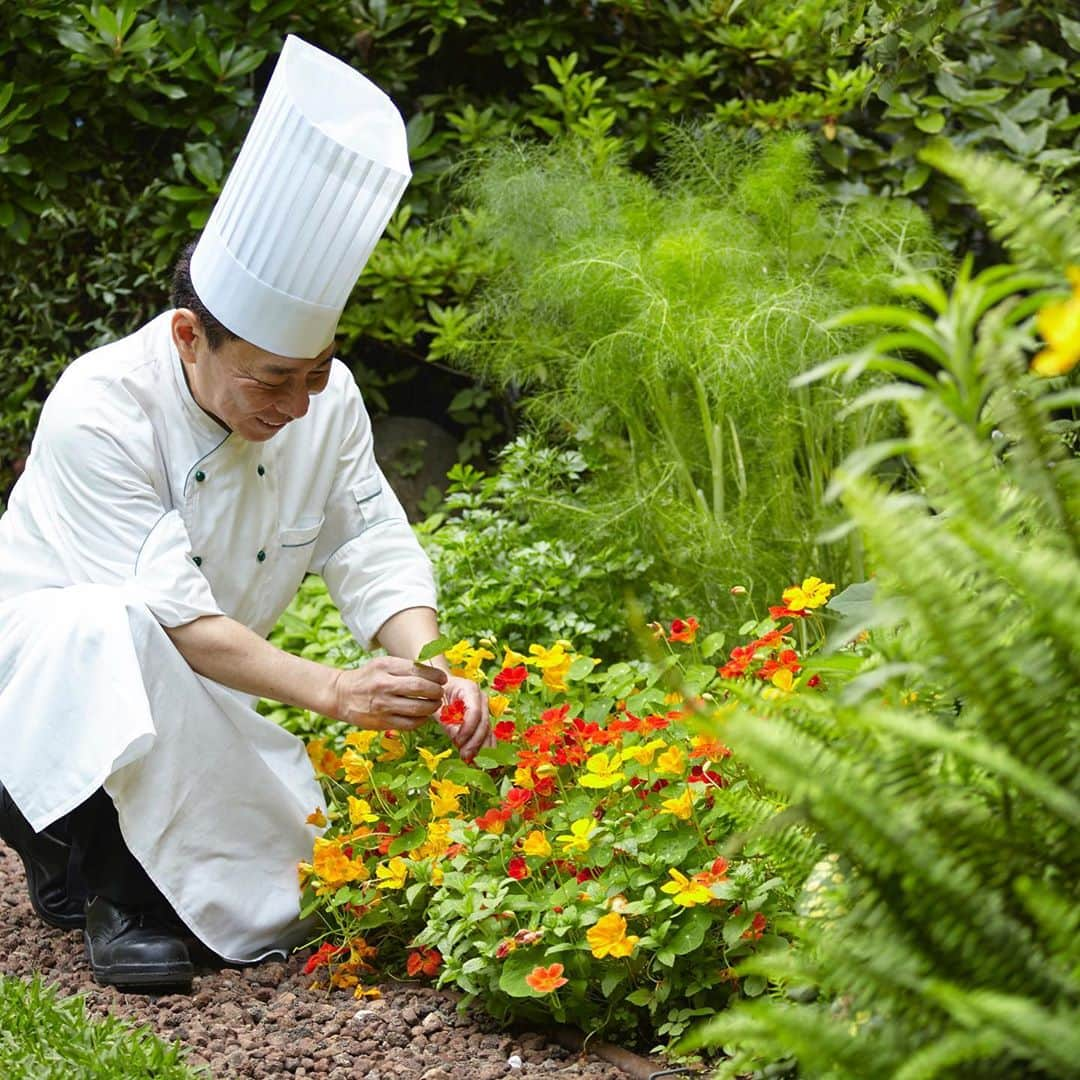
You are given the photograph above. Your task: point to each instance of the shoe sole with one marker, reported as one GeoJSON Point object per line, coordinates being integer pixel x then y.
{"type": "Point", "coordinates": [163, 976]}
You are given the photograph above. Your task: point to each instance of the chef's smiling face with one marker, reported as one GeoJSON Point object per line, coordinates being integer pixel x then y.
{"type": "Point", "coordinates": [252, 392]}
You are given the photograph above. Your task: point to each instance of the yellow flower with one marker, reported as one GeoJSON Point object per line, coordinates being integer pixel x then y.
{"type": "Point", "coordinates": [437, 875]}
{"type": "Point", "coordinates": [609, 937]}
{"type": "Point", "coordinates": [513, 659]}
{"type": "Point", "coordinates": [523, 778]}
{"type": "Point", "coordinates": [392, 875]}
{"type": "Point", "coordinates": [682, 807]}
{"type": "Point", "coordinates": [362, 991]}
{"type": "Point", "coordinates": [602, 772]}
{"type": "Point", "coordinates": [318, 818]}
{"type": "Point", "coordinates": [360, 812]}
{"type": "Point", "coordinates": [357, 767]}
{"type": "Point", "coordinates": [435, 843]}
{"type": "Point", "coordinates": [465, 661]}
{"type": "Point", "coordinates": [430, 760]}
{"type": "Point", "coordinates": [361, 741]}
{"type": "Point", "coordinates": [554, 664]}
{"type": "Point", "coordinates": [1059, 325]}
{"type": "Point", "coordinates": [333, 867]}
{"type": "Point", "coordinates": [685, 892]}
{"type": "Point", "coordinates": [672, 760]}
{"type": "Point", "coordinates": [644, 752]}
{"type": "Point", "coordinates": [536, 843]}
{"type": "Point", "coordinates": [393, 748]}
{"type": "Point", "coordinates": [813, 593]}
{"type": "Point", "coordinates": [578, 837]}
{"type": "Point", "coordinates": [783, 679]}
{"type": "Point", "coordinates": [444, 797]}
{"type": "Point", "coordinates": [457, 654]}
{"type": "Point", "coordinates": [497, 703]}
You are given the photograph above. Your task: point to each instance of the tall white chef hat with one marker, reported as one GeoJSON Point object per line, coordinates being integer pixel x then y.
{"type": "Point", "coordinates": [320, 172]}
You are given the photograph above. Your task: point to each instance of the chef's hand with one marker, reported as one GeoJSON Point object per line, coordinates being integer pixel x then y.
{"type": "Point", "coordinates": [474, 732]}
{"type": "Point", "coordinates": [389, 693]}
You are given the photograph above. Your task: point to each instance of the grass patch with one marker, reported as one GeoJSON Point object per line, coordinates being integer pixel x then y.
{"type": "Point", "coordinates": [51, 1038]}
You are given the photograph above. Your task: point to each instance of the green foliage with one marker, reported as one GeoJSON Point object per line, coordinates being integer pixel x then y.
{"type": "Point", "coordinates": [118, 122]}
{"type": "Point", "coordinates": [659, 326]}
{"type": "Point", "coordinates": [950, 947]}
{"type": "Point", "coordinates": [50, 1038]}
{"type": "Point", "coordinates": [504, 574]}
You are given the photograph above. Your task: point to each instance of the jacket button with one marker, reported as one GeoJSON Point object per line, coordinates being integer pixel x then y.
{"type": "Point", "coordinates": [197, 560]}
{"type": "Point", "coordinates": [261, 471]}
{"type": "Point", "coordinates": [261, 556]}
{"type": "Point", "coordinates": [200, 476]}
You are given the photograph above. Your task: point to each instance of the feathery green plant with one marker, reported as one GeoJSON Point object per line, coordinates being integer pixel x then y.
{"type": "Point", "coordinates": [951, 946]}
{"type": "Point", "coordinates": [660, 324]}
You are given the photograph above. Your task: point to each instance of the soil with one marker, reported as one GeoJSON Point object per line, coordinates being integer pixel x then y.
{"type": "Point", "coordinates": [263, 1021]}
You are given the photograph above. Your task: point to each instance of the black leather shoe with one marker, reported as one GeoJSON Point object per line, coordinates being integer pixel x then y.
{"type": "Point", "coordinates": [130, 947]}
{"type": "Point", "coordinates": [45, 859]}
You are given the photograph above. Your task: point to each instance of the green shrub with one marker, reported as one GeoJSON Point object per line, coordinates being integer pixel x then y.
{"type": "Point", "coordinates": [117, 124]}
{"type": "Point", "coordinates": [659, 326]}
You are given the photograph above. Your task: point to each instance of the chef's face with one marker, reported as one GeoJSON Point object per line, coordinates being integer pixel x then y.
{"type": "Point", "coordinates": [252, 392]}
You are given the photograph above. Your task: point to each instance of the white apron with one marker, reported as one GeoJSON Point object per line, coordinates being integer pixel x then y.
{"type": "Point", "coordinates": [137, 510]}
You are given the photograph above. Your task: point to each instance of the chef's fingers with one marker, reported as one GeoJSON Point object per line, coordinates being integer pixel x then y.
{"type": "Point", "coordinates": [407, 686]}
{"type": "Point", "coordinates": [399, 667]}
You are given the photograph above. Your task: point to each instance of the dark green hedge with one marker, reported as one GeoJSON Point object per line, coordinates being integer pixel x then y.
{"type": "Point", "coordinates": [117, 126]}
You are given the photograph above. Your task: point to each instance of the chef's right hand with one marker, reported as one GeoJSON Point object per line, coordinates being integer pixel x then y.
{"type": "Point", "coordinates": [388, 693]}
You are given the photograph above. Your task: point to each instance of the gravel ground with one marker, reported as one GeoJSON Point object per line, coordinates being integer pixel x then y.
{"type": "Point", "coordinates": [264, 1022]}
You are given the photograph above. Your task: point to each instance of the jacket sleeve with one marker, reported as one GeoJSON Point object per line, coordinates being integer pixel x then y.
{"type": "Point", "coordinates": [367, 553]}
{"type": "Point", "coordinates": [95, 504]}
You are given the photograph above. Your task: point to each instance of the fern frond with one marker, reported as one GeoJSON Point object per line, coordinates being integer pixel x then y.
{"type": "Point", "coordinates": [1037, 227]}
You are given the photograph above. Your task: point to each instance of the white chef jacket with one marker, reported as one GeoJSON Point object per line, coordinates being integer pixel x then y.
{"type": "Point", "coordinates": [137, 510]}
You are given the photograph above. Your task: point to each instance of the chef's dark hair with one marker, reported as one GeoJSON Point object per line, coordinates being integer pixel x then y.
{"type": "Point", "coordinates": [183, 295]}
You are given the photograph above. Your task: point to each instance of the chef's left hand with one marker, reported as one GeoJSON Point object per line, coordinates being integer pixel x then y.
{"type": "Point", "coordinates": [474, 732]}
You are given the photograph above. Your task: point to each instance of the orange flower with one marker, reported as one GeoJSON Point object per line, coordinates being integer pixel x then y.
{"type": "Point", "coordinates": [546, 979]}
{"type": "Point", "coordinates": [424, 962]}
{"type": "Point", "coordinates": [684, 631]}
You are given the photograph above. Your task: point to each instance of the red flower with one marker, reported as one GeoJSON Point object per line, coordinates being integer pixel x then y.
{"type": "Point", "coordinates": [588, 874]}
{"type": "Point", "coordinates": [777, 614]}
{"type": "Point", "coordinates": [510, 678]}
{"type": "Point", "coordinates": [698, 775]}
{"type": "Point", "coordinates": [324, 955]}
{"type": "Point", "coordinates": [517, 868]}
{"type": "Point", "coordinates": [655, 723]}
{"type": "Point", "coordinates": [505, 730]}
{"type": "Point", "coordinates": [425, 962]}
{"type": "Point", "coordinates": [756, 929]}
{"type": "Point", "coordinates": [493, 820]}
{"type": "Point", "coordinates": [544, 786]}
{"type": "Point", "coordinates": [453, 713]}
{"type": "Point", "coordinates": [555, 715]}
{"type": "Point", "coordinates": [787, 660]}
{"type": "Point", "coordinates": [631, 723]}
{"type": "Point", "coordinates": [683, 631]}
{"type": "Point", "coordinates": [739, 661]}
{"type": "Point", "coordinates": [570, 755]}
{"type": "Point", "coordinates": [814, 681]}
{"type": "Point", "coordinates": [530, 759]}
{"type": "Point", "coordinates": [774, 638]}
{"type": "Point", "coordinates": [516, 798]}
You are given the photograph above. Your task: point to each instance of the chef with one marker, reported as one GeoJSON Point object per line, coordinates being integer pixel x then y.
{"type": "Point", "coordinates": [181, 483]}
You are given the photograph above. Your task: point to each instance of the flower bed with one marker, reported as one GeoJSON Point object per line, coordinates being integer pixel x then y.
{"type": "Point", "coordinates": [577, 870]}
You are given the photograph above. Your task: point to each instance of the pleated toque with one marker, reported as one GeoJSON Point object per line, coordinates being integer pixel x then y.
{"type": "Point", "coordinates": [319, 175]}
